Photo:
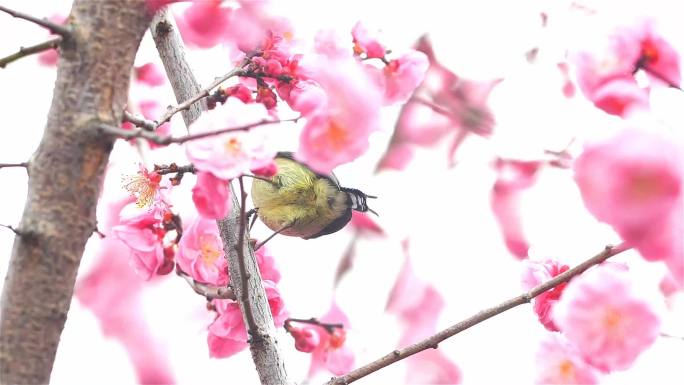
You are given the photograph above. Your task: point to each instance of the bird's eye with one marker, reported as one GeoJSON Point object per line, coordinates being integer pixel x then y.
{"type": "Point", "coordinates": [331, 202]}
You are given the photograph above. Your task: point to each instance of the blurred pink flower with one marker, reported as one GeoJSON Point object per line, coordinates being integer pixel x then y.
{"type": "Point", "coordinates": [149, 74]}
{"type": "Point", "coordinates": [364, 42]}
{"type": "Point", "coordinates": [403, 75]}
{"type": "Point", "coordinates": [49, 58]}
{"type": "Point", "coordinates": [629, 48]}
{"type": "Point", "coordinates": [536, 273]}
{"type": "Point", "coordinates": [338, 131]}
{"type": "Point", "coordinates": [252, 23]}
{"type": "Point", "coordinates": [332, 354]}
{"type": "Point", "coordinates": [234, 153]}
{"type": "Point", "coordinates": [306, 338]}
{"type": "Point", "coordinates": [610, 323]}
{"type": "Point", "coordinates": [432, 366]}
{"type": "Point", "coordinates": [267, 265]}
{"type": "Point", "coordinates": [211, 196]}
{"type": "Point", "coordinates": [200, 253]}
{"type": "Point", "coordinates": [363, 223]}
{"type": "Point", "coordinates": [559, 362]}
{"type": "Point", "coordinates": [514, 177]}
{"type": "Point", "coordinates": [631, 181]}
{"type": "Point", "coordinates": [144, 236]}
{"type": "Point", "coordinates": [205, 23]}
{"type": "Point", "coordinates": [112, 291]}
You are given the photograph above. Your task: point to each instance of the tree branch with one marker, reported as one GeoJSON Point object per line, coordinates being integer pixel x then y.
{"type": "Point", "coordinates": [263, 344]}
{"type": "Point", "coordinates": [55, 28]}
{"type": "Point", "coordinates": [67, 172]}
{"type": "Point", "coordinates": [433, 341]}
{"type": "Point", "coordinates": [9, 165]}
{"type": "Point", "coordinates": [12, 229]}
{"type": "Point", "coordinates": [139, 121]}
{"type": "Point", "coordinates": [208, 291]}
{"type": "Point", "coordinates": [26, 51]}
{"type": "Point", "coordinates": [165, 140]}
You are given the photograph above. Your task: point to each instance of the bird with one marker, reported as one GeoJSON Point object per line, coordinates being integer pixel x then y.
{"type": "Point", "coordinates": [300, 202]}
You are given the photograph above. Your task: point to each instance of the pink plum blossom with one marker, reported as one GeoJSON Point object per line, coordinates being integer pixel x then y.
{"type": "Point", "coordinates": [403, 75]}
{"type": "Point", "coordinates": [628, 49]}
{"type": "Point", "coordinates": [234, 153]}
{"type": "Point", "coordinates": [205, 23]}
{"type": "Point", "coordinates": [514, 177]}
{"type": "Point", "coordinates": [144, 186]}
{"type": "Point", "coordinates": [211, 196]}
{"type": "Point", "coordinates": [113, 292]}
{"type": "Point", "coordinates": [144, 236]}
{"type": "Point", "coordinates": [559, 362]}
{"type": "Point", "coordinates": [332, 354]}
{"type": "Point", "coordinates": [49, 57]}
{"type": "Point", "coordinates": [364, 42]}
{"type": "Point", "coordinates": [602, 314]}
{"type": "Point", "coordinates": [432, 366]}
{"type": "Point", "coordinates": [338, 132]}
{"type": "Point", "coordinates": [306, 338]}
{"type": "Point", "coordinates": [267, 265]}
{"type": "Point", "coordinates": [149, 74]}
{"type": "Point", "coordinates": [200, 253]}
{"type": "Point", "coordinates": [631, 180]}
{"type": "Point", "coordinates": [535, 273]}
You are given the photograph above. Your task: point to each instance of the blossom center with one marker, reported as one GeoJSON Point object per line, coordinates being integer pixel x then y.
{"type": "Point", "coordinates": [612, 321]}
{"type": "Point", "coordinates": [645, 185]}
{"type": "Point", "coordinates": [209, 250]}
{"type": "Point", "coordinates": [337, 133]}
{"type": "Point", "coordinates": [567, 369]}
{"type": "Point", "coordinates": [233, 146]}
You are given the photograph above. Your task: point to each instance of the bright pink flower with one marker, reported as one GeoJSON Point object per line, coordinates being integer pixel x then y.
{"type": "Point", "coordinates": [403, 75]}
{"type": "Point", "coordinates": [112, 291]}
{"type": "Point", "coordinates": [631, 180]}
{"type": "Point", "coordinates": [154, 5]}
{"type": "Point", "coordinates": [276, 303]}
{"type": "Point", "coordinates": [602, 314]}
{"type": "Point", "coordinates": [306, 338]}
{"type": "Point", "coordinates": [241, 92]}
{"type": "Point", "coordinates": [211, 196]}
{"type": "Point", "coordinates": [150, 74]}
{"type": "Point", "coordinates": [432, 366]}
{"type": "Point", "coordinates": [364, 42]}
{"type": "Point", "coordinates": [364, 224]}
{"type": "Point", "coordinates": [304, 96]}
{"type": "Point", "coordinates": [234, 153]}
{"type": "Point", "coordinates": [252, 25]}
{"type": "Point", "coordinates": [200, 253]}
{"type": "Point", "coordinates": [559, 362]}
{"type": "Point", "coordinates": [514, 177]}
{"type": "Point", "coordinates": [536, 273]}
{"type": "Point", "coordinates": [629, 49]}
{"type": "Point", "coordinates": [144, 236]}
{"type": "Point", "coordinates": [205, 23]}
{"type": "Point", "coordinates": [338, 132]}
{"type": "Point", "coordinates": [331, 353]}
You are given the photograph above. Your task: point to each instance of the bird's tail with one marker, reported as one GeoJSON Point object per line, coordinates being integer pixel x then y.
{"type": "Point", "coordinates": [357, 200]}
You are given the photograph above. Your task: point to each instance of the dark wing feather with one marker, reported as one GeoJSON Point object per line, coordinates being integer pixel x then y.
{"type": "Point", "coordinates": [332, 178]}
{"type": "Point", "coordinates": [335, 226]}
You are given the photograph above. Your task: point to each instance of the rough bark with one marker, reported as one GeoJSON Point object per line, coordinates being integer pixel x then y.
{"type": "Point", "coordinates": [66, 173]}
{"type": "Point", "coordinates": [263, 344]}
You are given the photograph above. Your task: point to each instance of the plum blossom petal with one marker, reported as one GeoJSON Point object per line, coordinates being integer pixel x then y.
{"type": "Point", "coordinates": [332, 354]}
{"type": "Point", "coordinates": [211, 196]}
{"type": "Point", "coordinates": [403, 75]}
{"type": "Point", "coordinates": [559, 362]}
{"type": "Point", "coordinates": [536, 273]}
{"type": "Point", "coordinates": [205, 23]}
{"type": "Point", "coordinates": [144, 238]}
{"type": "Point", "coordinates": [599, 313]}
{"type": "Point", "coordinates": [200, 253]}
{"type": "Point", "coordinates": [364, 42]}
{"type": "Point", "coordinates": [149, 74]}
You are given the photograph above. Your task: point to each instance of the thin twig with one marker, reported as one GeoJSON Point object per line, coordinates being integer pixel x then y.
{"type": "Point", "coordinates": [165, 140]}
{"type": "Point", "coordinates": [433, 341]}
{"type": "Point", "coordinates": [26, 51]}
{"type": "Point", "coordinates": [202, 94]}
{"type": "Point", "coordinates": [139, 121]}
{"type": "Point", "coordinates": [208, 291]}
{"type": "Point", "coordinates": [251, 325]}
{"type": "Point", "coordinates": [8, 165]}
{"type": "Point", "coordinates": [12, 228]}
{"type": "Point", "coordinates": [55, 28]}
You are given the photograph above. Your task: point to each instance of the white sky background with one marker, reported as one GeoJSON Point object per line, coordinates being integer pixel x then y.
{"type": "Point", "coordinates": [455, 243]}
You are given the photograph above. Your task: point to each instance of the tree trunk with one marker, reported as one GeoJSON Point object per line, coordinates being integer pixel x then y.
{"type": "Point", "coordinates": [65, 178]}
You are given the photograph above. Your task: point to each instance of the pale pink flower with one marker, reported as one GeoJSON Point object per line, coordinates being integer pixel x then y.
{"type": "Point", "coordinates": [205, 23]}
{"type": "Point", "coordinates": [364, 42]}
{"type": "Point", "coordinates": [403, 75]}
{"type": "Point", "coordinates": [234, 153]}
{"type": "Point", "coordinates": [149, 74]}
{"type": "Point", "coordinates": [559, 362]}
{"type": "Point", "coordinates": [303, 96]}
{"type": "Point", "coordinates": [631, 180]}
{"type": "Point", "coordinates": [332, 354]}
{"type": "Point", "coordinates": [267, 265]}
{"type": "Point", "coordinates": [535, 273]}
{"type": "Point", "coordinates": [252, 23]}
{"type": "Point", "coordinates": [144, 186]}
{"type": "Point", "coordinates": [606, 318]}
{"type": "Point", "coordinates": [200, 253]}
{"type": "Point", "coordinates": [338, 132]}
{"type": "Point", "coordinates": [211, 196]}
{"type": "Point", "coordinates": [514, 177]}
{"type": "Point", "coordinates": [432, 366]}
{"type": "Point", "coordinates": [144, 236]}
{"type": "Point", "coordinates": [629, 48]}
